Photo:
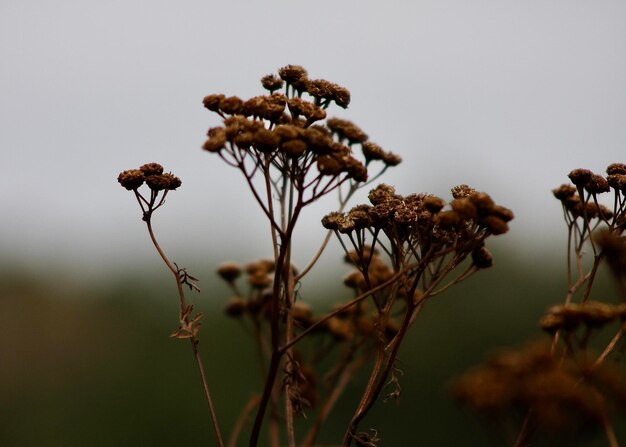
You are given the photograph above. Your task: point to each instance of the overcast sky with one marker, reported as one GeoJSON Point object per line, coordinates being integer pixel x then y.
{"type": "Point", "coordinates": [507, 96]}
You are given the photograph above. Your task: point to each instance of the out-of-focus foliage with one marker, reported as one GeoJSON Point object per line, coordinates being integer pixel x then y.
{"type": "Point", "coordinates": [92, 364]}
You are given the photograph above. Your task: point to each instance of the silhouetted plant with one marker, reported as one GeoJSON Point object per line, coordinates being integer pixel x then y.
{"type": "Point", "coordinates": [564, 388]}
{"type": "Point", "coordinates": [405, 250]}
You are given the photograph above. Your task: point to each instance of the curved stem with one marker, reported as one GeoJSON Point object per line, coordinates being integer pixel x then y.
{"type": "Point", "coordinates": [194, 341]}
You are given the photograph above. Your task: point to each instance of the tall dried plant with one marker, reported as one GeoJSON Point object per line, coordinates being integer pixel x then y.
{"type": "Point", "coordinates": [405, 250]}
{"type": "Point", "coordinates": [573, 383]}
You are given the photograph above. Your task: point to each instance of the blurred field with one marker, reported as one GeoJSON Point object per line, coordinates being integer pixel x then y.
{"type": "Point", "coordinates": [90, 362]}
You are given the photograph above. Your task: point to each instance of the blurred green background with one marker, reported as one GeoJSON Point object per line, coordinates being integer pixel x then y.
{"type": "Point", "coordinates": [88, 361]}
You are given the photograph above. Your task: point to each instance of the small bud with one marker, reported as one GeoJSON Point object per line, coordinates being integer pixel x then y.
{"type": "Point", "coordinates": [131, 179]}
{"type": "Point", "coordinates": [229, 271]}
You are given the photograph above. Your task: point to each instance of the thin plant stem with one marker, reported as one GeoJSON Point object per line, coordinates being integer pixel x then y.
{"type": "Point", "coordinates": [193, 339]}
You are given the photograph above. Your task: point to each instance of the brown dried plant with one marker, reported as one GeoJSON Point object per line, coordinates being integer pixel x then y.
{"type": "Point", "coordinates": [568, 386]}
{"type": "Point", "coordinates": [404, 250]}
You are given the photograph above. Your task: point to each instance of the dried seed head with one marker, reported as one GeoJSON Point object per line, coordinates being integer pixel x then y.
{"type": "Point", "coordinates": [173, 182]}
{"type": "Point", "coordinates": [259, 280]}
{"type": "Point", "coordinates": [447, 219]}
{"type": "Point", "coordinates": [346, 225]}
{"type": "Point", "coordinates": [229, 271]}
{"type": "Point", "coordinates": [433, 204]}
{"type": "Point", "coordinates": [564, 192]}
{"type": "Point", "coordinates": [288, 132]}
{"type": "Point", "coordinates": [271, 82]}
{"type": "Point", "coordinates": [355, 280]}
{"type": "Point", "coordinates": [265, 140]}
{"type": "Point", "coordinates": [597, 184]}
{"type": "Point", "coordinates": [231, 105]}
{"type": "Point", "coordinates": [341, 96]}
{"type": "Point", "coordinates": [482, 258]}
{"type": "Point", "coordinates": [360, 216]}
{"type": "Point", "coordinates": [131, 179]}
{"type": "Point", "coordinates": [391, 159]}
{"type": "Point", "coordinates": [372, 151]}
{"type": "Point", "coordinates": [217, 140]}
{"type": "Point", "coordinates": [580, 177]}
{"type": "Point", "coordinates": [235, 307]}
{"type": "Point", "coordinates": [319, 88]}
{"type": "Point", "coordinates": [461, 191]}
{"type": "Point", "coordinates": [382, 193]}
{"type": "Point", "coordinates": [328, 165]}
{"type": "Point", "coordinates": [614, 248]}
{"type": "Point", "coordinates": [293, 148]}
{"type": "Point", "coordinates": [264, 266]}
{"type": "Point", "coordinates": [292, 73]}
{"type": "Point", "coordinates": [346, 130]}
{"type": "Point", "coordinates": [298, 106]}
{"type": "Point", "coordinates": [355, 169]}
{"type": "Point", "coordinates": [332, 220]}
{"type": "Point", "coordinates": [163, 181]}
{"type": "Point", "coordinates": [616, 168]}
{"type": "Point", "coordinates": [151, 169]}
{"type": "Point", "coordinates": [618, 182]}
{"type": "Point", "coordinates": [503, 213]}
{"type": "Point", "coordinates": [494, 224]}
{"type": "Point", "coordinates": [465, 208]}
{"type": "Point", "coordinates": [483, 202]}
{"type": "Point", "coordinates": [212, 102]}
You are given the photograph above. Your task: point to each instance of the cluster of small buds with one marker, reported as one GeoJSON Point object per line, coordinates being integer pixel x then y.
{"type": "Point", "coordinates": [591, 314]}
{"type": "Point", "coordinates": [322, 90]}
{"type": "Point", "coordinates": [286, 127]}
{"type": "Point", "coordinates": [420, 219]}
{"type": "Point", "coordinates": [560, 399]}
{"type": "Point", "coordinates": [152, 175]}
{"type": "Point", "coordinates": [259, 277]}
{"type": "Point", "coordinates": [579, 200]}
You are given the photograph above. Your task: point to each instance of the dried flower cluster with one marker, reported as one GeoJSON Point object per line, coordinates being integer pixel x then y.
{"type": "Point", "coordinates": [404, 250]}
{"type": "Point", "coordinates": [284, 138]}
{"type": "Point", "coordinates": [158, 182]}
{"type": "Point", "coordinates": [566, 399]}
{"type": "Point", "coordinates": [569, 386]}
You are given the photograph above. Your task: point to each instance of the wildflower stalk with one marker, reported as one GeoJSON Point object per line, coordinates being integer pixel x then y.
{"type": "Point", "coordinates": [193, 339]}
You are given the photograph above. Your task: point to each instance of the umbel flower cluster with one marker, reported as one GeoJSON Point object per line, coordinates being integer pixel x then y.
{"type": "Point", "coordinates": [575, 384]}
{"type": "Point", "coordinates": [286, 136]}
{"type": "Point", "coordinates": [405, 250]}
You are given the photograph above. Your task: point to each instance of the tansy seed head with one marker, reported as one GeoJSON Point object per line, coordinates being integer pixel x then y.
{"type": "Point", "coordinates": [271, 82]}
{"type": "Point", "coordinates": [131, 179]}
{"type": "Point", "coordinates": [151, 169]}
{"type": "Point", "coordinates": [229, 271]}
{"type": "Point", "coordinates": [580, 176]}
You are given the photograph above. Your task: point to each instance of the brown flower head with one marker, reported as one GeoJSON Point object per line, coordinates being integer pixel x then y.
{"type": "Point", "coordinates": [229, 271]}
{"type": "Point", "coordinates": [329, 165]}
{"type": "Point", "coordinates": [217, 140]}
{"type": "Point", "coordinates": [382, 193]}
{"type": "Point", "coordinates": [292, 73]}
{"type": "Point", "coordinates": [212, 102]}
{"type": "Point", "coordinates": [271, 82]}
{"type": "Point", "coordinates": [163, 182]}
{"type": "Point", "coordinates": [151, 169]}
{"type": "Point", "coordinates": [346, 130]}
{"type": "Point", "coordinates": [580, 177]}
{"type": "Point", "coordinates": [616, 168]}
{"type": "Point", "coordinates": [482, 258]}
{"type": "Point", "coordinates": [461, 191]}
{"type": "Point", "coordinates": [231, 105]}
{"type": "Point", "coordinates": [131, 179]}
{"type": "Point", "coordinates": [564, 192]}
{"type": "Point", "coordinates": [597, 184]}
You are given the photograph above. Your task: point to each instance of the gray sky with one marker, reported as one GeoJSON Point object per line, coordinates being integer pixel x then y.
{"type": "Point", "coordinates": [507, 96]}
